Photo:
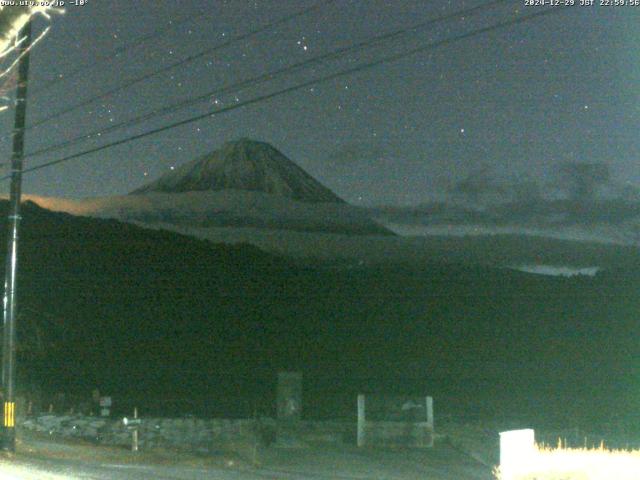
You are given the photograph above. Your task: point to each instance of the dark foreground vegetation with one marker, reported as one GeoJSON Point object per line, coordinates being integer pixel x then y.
{"type": "Point", "coordinates": [178, 325]}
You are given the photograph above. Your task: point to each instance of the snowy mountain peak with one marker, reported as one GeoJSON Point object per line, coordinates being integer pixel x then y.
{"type": "Point", "coordinates": [244, 165]}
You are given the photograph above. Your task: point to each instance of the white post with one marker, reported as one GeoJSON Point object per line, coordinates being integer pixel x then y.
{"type": "Point", "coordinates": [430, 413]}
{"type": "Point", "coordinates": [517, 452]}
{"type": "Point", "coordinates": [361, 420]}
{"type": "Point", "coordinates": [134, 433]}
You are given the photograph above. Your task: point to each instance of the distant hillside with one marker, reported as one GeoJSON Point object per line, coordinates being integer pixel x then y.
{"type": "Point", "coordinates": [334, 233]}
{"type": "Point", "coordinates": [154, 315]}
{"type": "Point", "coordinates": [226, 208]}
{"type": "Point", "coordinates": [243, 184]}
{"type": "Point", "coordinates": [492, 250]}
{"type": "Point", "coordinates": [612, 221]}
{"type": "Point", "coordinates": [583, 203]}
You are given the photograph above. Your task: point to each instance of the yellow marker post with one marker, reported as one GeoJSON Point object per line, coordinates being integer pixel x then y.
{"type": "Point", "coordinates": [9, 414]}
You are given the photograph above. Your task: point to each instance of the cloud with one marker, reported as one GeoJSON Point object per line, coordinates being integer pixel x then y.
{"type": "Point", "coordinates": [583, 180]}
{"type": "Point", "coordinates": [476, 185]}
{"type": "Point", "coordinates": [358, 153]}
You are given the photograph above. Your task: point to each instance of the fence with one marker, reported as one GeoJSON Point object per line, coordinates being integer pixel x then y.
{"type": "Point", "coordinates": [296, 415]}
{"type": "Point", "coordinates": [328, 396]}
{"type": "Point", "coordinates": [387, 420]}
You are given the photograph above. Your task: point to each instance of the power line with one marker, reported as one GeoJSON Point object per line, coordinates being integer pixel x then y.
{"type": "Point", "coordinates": [264, 77]}
{"type": "Point", "coordinates": [114, 54]}
{"type": "Point", "coordinates": [190, 58]}
{"type": "Point", "coordinates": [350, 71]}
{"type": "Point", "coordinates": [293, 88]}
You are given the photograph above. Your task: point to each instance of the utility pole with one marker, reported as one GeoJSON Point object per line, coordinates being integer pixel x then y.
{"type": "Point", "coordinates": [8, 439]}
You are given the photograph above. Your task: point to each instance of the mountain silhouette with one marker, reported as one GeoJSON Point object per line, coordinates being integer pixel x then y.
{"type": "Point", "coordinates": [244, 165]}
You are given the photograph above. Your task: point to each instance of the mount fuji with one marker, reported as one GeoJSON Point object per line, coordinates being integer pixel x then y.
{"type": "Point", "coordinates": [244, 184]}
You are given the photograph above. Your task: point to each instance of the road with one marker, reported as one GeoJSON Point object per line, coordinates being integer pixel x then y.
{"type": "Point", "coordinates": [46, 459]}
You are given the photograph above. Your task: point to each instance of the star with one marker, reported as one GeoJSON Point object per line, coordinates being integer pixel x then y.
{"type": "Point", "coordinates": [303, 44]}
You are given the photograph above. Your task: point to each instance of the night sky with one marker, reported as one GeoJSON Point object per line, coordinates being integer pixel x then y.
{"type": "Point", "coordinates": [517, 102]}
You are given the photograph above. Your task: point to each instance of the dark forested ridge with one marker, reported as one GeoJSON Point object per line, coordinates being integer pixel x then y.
{"type": "Point", "coordinates": [144, 312]}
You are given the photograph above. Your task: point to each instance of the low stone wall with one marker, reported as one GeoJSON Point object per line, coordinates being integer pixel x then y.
{"type": "Point", "coordinates": [398, 434]}
{"type": "Point", "coordinates": [308, 433]}
{"type": "Point", "coordinates": [192, 434]}
{"type": "Point", "coordinates": [242, 436]}
{"type": "Point", "coordinates": [196, 435]}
